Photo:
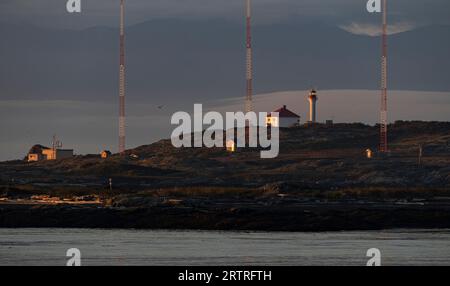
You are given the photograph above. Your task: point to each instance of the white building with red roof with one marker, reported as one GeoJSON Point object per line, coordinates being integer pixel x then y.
{"type": "Point", "coordinates": [285, 119]}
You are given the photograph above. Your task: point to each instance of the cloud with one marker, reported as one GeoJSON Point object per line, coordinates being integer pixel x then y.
{"type": "Point", "coordinates": [373, 30]}
{"type": "Point", "coordinates": [52, 13]}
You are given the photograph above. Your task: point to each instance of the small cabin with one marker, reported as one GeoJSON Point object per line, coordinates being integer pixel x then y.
{"type": "Point", "coordinates": [105, 154]}
{"type": "Point", "coordinates": [35, 157]}
{"type": "Point", "coordinates": [231, 146]}
{"type": "Point", "coordinates": [40, 153]}
{"type": "Point", "coordinates": [285, 118]}
{"type": "Point", "coordinates": [56, 154]}
{"type": "Point", "coordinates": [50, 154]}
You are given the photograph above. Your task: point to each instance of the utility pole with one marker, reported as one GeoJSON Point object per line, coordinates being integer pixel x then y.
{"type": "Point", "coordinates": [420, 154]}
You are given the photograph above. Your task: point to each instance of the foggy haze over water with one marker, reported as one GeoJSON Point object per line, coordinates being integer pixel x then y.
{"type": "Point", "coordinates": [89, 127]}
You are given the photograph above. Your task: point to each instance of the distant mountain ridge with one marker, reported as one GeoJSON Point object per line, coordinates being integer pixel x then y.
{"type": "Point", "coordinates": [180, 59]}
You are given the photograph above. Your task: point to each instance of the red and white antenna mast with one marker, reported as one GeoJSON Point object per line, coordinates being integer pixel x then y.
{"type": "Point", "coordinates": [122, 80]}
{"type": "Point", "coordinates": [249, 99]}
{"type": "Point", "coordinates": [383, 113]}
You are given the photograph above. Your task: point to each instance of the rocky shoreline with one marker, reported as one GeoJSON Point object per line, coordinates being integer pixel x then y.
{"type": "Point", "coordinates": [322, 180]}
{"type": "Point", "coordinates": [253, 217]}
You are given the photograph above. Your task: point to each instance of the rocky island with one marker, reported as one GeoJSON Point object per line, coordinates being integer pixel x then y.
{"type": "Point", "coordinates": [322, 180]}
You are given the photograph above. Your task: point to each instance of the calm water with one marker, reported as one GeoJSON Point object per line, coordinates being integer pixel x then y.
{"type": "Point", "coordinates": [147, 247]}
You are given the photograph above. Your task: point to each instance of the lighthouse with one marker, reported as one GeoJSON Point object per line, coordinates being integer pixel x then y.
{"type": "Point", "coordinates": [312, 105]}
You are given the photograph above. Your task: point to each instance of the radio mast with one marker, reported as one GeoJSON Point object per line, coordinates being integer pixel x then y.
{"type": "Point", "coordinates": [249, 99]}
{"type": "Point", "coordinates": [383, 111]}
{"type": "Point", "coordinates": [122, 80]}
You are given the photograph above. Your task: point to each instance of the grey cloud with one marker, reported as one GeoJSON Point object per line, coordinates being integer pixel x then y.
{"type": "Point", "coordinates": [104, 12]}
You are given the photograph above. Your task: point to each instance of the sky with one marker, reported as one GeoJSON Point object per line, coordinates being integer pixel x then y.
{"type": "Point", "coordinates": [52, 13]}
{"type": "Point", "coordinates": [59, 70]}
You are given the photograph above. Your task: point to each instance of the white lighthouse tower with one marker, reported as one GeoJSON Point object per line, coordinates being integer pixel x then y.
{"type": "Point", "coordinates": [312, 105]}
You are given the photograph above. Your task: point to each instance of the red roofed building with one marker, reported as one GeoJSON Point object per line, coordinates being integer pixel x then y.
{"type": "Point", "coordinates": [286, 118]}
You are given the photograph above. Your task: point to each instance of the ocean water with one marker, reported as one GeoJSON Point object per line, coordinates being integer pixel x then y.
{"type": "Point", "coordinates": [190, 248]}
